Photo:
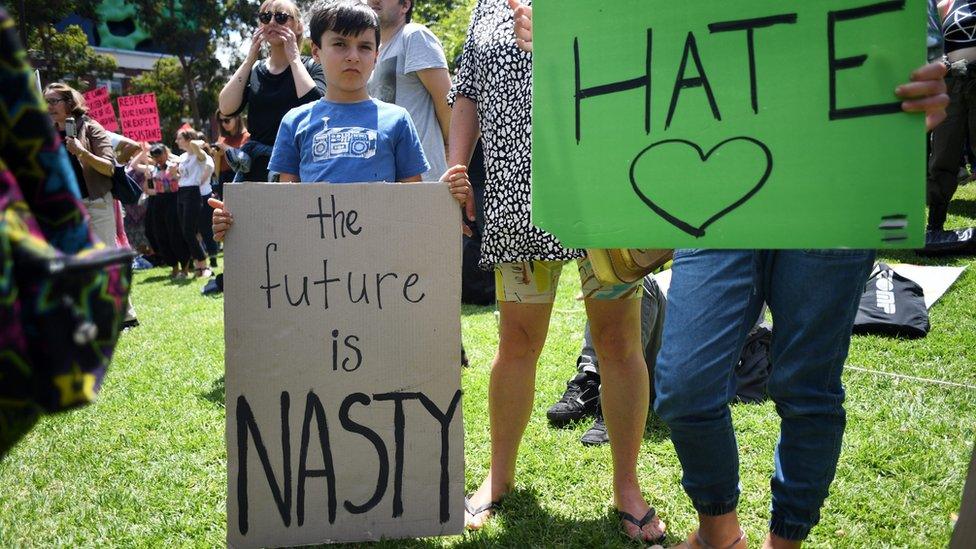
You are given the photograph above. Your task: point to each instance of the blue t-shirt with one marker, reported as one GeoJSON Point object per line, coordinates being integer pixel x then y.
{"type": "Point", "coordinates": [333, 142]}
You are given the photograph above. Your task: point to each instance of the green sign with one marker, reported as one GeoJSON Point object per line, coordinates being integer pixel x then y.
{"type": "Point", "coordinates": [727, 124]}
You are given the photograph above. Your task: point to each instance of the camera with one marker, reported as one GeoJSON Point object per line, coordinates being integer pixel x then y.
{"type": "Point", "coordinates": [70, 128]}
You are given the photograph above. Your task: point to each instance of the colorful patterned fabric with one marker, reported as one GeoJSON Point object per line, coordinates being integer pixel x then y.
{"type": "Point", "coordinates": [62, 298]}
{"type": "Point", "coordinates": [536, 281]}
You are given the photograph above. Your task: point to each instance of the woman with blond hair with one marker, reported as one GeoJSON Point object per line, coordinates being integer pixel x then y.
{"type": "Point", "coordinates": [271, 87]}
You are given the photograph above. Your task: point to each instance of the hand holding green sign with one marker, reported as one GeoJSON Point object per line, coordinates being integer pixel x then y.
{"type": "Point", "coordinates": [753, 125]}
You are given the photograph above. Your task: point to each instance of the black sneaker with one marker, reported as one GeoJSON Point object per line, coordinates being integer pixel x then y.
{"type": "Point", "coordinates": [597, 434]}
{"type": "Point", "coordinates": [581, 399]}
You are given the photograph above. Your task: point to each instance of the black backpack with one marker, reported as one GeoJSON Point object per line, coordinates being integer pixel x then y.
{"type": "Point", "coordinates": [752, 371]}
{"type": "Point", "coordinates": [125, 189]}
{"type": "Point", "coordinates": [892, 305]}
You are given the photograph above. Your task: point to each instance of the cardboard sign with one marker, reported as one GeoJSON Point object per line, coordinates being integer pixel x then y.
{"type": "Point", "coordinates": [140, 117]}
{"type": "Point", "coordinates": [100, 108]}
{"type": "Point", "coordinates": [749, 124]}
{"type": "Point", "coordinates": [342, 327]}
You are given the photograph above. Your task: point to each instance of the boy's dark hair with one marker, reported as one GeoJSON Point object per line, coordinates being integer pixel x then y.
{"type": "Point", "coordinates": [345, 17]}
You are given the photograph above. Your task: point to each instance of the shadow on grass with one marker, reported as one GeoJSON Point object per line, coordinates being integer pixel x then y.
{"type": "Point", "coordinates": [467, 310]}
{"type": "Point", "coordinates": [522, 522]}
{"type": "Point", "coordinates": [159, 278]}
{"type": "Point", "coordinates": [963, 208]}
{"type": "Point", "coordinates": [217, 392]}
{"type": "Point", "coordinates": [655, 430]}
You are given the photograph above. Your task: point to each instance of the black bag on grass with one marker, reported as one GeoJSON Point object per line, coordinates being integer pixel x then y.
{"type": "Point", "coordinates": [892, 305]}
{"type": "Point", "coordinates": [752, 371]}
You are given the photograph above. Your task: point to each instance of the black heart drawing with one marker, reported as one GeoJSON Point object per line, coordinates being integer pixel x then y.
{"type": "Point", "coordinates": [699, 231]}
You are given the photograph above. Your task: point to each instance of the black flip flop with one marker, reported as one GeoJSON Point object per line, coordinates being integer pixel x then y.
{"type": "Point", "coordinates": [640, 524]}
{"type": "Point", "coordinates": [475, 511]}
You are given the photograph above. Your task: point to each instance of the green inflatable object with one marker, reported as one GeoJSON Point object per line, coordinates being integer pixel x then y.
{"type": "Point", "coordinates": [114, 11]}
{"type": "Point", "coordinates": [118, 11]}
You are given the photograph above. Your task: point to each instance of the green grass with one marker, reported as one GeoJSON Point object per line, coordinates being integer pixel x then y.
{"type": "Point", "coordinates": [146, 465]}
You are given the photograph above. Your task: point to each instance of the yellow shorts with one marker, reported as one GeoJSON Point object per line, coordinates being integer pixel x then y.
{"type": "Point", "coordinates": [536, 282]}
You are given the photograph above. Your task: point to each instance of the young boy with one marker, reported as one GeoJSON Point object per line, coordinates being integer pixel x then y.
{"type": "Point", "coordinates": [348, 137]}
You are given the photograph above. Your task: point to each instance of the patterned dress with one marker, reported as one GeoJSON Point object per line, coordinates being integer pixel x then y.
{"type": "Point", "coordinates": [497, 76]}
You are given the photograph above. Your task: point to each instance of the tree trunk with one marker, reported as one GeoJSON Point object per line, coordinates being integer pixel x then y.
{"type": "Point", "coordinates": [191, 91]}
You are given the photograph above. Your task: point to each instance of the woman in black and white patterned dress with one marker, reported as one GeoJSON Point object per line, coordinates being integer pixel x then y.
{"type": "Point", "coordinates": [493, 96]}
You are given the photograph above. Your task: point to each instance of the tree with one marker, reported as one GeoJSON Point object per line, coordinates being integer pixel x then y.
{"type": "Point", "coordinates": [448, 20]}
{"type": "Point", "coordinates": [166, 80]}
{"type": "Point", "coordinates": [42, 16]}
{"type": "Point", "coordinates": [188, 30]}
{"type": "Point", "coordinates": [60, 56]}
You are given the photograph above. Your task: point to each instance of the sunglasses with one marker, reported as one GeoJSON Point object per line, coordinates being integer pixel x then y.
{"type": "Point", "coordinates": [280, 17]}
{"type": "Point", "coordinates": [226, 120]}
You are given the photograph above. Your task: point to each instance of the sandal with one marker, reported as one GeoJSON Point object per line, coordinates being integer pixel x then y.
{"type": "Point", "coordinates": [470, 509]}
{"type": "Point", "coordinates": [650, 515]}
{"type": "Point", "coordinates": [702, 544]}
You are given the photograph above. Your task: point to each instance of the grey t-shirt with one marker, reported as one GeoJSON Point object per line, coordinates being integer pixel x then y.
{"type": "Point", "coordinates": [394, 80]}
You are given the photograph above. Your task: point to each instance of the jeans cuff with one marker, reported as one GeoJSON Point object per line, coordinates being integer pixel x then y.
{"type": "Point", "coordinates": [714, 509]}
{"type": "Point", "coordinates": [789, 530]}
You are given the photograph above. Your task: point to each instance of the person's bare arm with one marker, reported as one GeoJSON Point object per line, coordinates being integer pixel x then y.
{"type": "Point", "coordinates": [438, 84]}
{"type": "Point", "coordinates": [195, 147]}
{"type": "Point", "coordinates": [126, 149]}
{"type": "Point", "coordinates": [414, 179]}
{"type": "Point", "coordinates": [288, 178]}
{"type": "Point", "coordinates": [303, 80]}
{"type": "Point", "coordinates": [232, 94]}
{"type": "Point", "coordinates": [464, 131]}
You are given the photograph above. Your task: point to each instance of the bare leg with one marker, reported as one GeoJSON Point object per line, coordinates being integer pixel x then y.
{"type": "Point", "coordinates": [721, 531]}
{"type": "Point", "coordinates": [522, 333]}
{"type": "Point", "coordinates": [615, 325]}
{"type": "Point", "coordinates": [775, 542]}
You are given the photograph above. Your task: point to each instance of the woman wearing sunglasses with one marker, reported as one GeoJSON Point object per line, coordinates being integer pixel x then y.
{"type": "Point", "coordinates": [271, 87]}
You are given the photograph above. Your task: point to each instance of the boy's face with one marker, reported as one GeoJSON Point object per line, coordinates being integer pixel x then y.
{"type": "Point", "coordinates": [347, 61]}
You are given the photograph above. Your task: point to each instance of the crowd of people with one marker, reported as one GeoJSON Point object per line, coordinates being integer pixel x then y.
{"type": "Point", "coordinates": [372, 69]}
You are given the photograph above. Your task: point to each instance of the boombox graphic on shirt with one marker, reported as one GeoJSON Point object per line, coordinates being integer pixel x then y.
{"type": "Point", "coordinates": [352, 142]}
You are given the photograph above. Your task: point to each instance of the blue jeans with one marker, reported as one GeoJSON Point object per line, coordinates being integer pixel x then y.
{"type": "Point", "coordinates": [713, 301]}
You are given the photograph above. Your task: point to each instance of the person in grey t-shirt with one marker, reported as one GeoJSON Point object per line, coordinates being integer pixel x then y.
{"type": "Point", "coordinates": [411, 72]}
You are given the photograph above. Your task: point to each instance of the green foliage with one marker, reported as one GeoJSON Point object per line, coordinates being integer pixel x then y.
{"type": "Point", "coordinates": [167, 81]}
{"type": "Point", "coordinates": [448, 20]}
{"type": "Point", "coordinates": [41, 15]}
{"type": "Point", "coordinates": [66, 56]}
{"type": "Point", "coordinates": [189, 29]}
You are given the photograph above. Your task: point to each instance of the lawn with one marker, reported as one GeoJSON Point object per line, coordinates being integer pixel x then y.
{"type": "Point", "coordinates": [146, 465]}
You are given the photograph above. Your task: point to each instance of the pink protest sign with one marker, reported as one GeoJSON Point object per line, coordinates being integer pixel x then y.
{"type": "Point", "coordinates": [100, 108]}
{"type": "Point", "coordinates": [140, 117]}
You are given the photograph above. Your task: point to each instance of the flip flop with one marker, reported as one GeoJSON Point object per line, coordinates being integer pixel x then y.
{"type": "Point", "coordinates": [470, 509]}
{"type": "Point", "coordinates": [640, 524]}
